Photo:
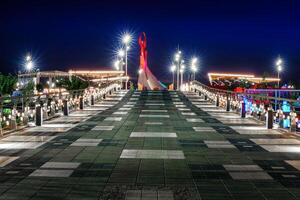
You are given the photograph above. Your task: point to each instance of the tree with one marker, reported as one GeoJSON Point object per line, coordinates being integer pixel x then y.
{"type": "Point", "coordinates": [7, 84]}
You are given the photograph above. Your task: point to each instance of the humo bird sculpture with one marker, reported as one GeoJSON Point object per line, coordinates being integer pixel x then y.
{"type": "Point", "coordinates": [146, 81]}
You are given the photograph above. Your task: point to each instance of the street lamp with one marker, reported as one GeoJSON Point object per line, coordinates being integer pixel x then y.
{"type": "Point", "coordinates": [182, 67]}
{"type": "Point", "coordinates": [173, 68]}
{"type": "Point", "coordinates": [28, 63]}
{"type": "Point", "coordinates": [194, 62]}
{"type": "Point", "coordinates": [126, 40]}
{"type": "Point", "coordinates": [177, 58]}
{"type": "Point", "coordinates": [278, 63]}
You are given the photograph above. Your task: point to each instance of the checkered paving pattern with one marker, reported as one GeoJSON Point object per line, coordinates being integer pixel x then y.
{"type": "Point", "coordinates": [160, 145]}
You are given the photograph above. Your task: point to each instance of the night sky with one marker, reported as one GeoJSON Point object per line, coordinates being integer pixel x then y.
{"type": "Point", "coordinates": [227, 36]}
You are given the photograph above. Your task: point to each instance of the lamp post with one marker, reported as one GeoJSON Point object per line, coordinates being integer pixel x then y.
{"type": "Point", "coordinates": [182, 67]}
{"type": "Point", "coordinates": [279, 63]}
{"type": "Point", "coordinates": [28, 63]}
{"type": "Point", "coordinates": [177, 58]}
{"type": "Point", "coordinates": [194, 62]}
{"type": "Point", "coordinates": [126, 41]}
{"type": "Point", "coordinates": [173, 68]}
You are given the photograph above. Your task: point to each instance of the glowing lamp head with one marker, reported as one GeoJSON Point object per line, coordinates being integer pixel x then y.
{"type": "Point", "coordinates": [117, 64]}
{"type": "Point", "coordinates": [140, 71]}
{"type": "Point", "coordinates": [173, 68]}
{"type": "Point", "coordinates": [28, 58]}
{"type": "Point", "coordinates": [278, 61]}
{"type": "Point", "coordinates": [121, 53]}
{"type": "Point", "coordinates": [126, 38]}
{"type": "Point", "coordinates": [279, 68]}
{"type": "Point", "coordinates": [194, 61]}
{"type": "Point", "coordinates": [29, 65]}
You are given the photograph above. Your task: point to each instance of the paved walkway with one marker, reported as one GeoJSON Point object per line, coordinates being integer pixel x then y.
{"type": "Point", "coordinates": [150, 145]}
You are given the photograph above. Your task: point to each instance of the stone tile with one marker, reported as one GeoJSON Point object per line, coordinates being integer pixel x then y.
{"type": "Point", "coordinates": [152, 154]}
{"type": "Point", "coordinates": [188, 113]}
{"type": "Point", "coordinates": [20, 145]}
{"type": "Point", "coordinates": [113, 119]}
{"type": "Point", "coordinates": [103, 128]}
{"type": "Point", "coordinates": [184, 109]}
{"type": "Point", "coordinates": [153, 123]}
{"type": "Point", "coordinates": [294, 163]}
{"type": "Point", "coordinates": [156, 116]}
{"type": "Point", "coordinates": [126, 109]}
{"type": "Point", "coordinates": [86, 142]}
{"type": "Point", "coordinates": [51, 173]}
{"type": "Point", "coordinates": [282, 148]}
{"type": "Point", "coordinates": [28, 138]}
{"type": "Point", "coordinates": [120, 113]}
{"type": "Point", "coordinates": [204, 129]}
{"type": "Point", "coordinates": [153, 134]}
{"type": "Point", "coordinates": [194, 120]}
{"type": "Point", "coordinates": [276, 141]}
{"type": "Point", "coordinates": [5, 160]}
{"type": "Point", "coordinates": [250, 176]}
{"type": "Point", "coordinates": [154, 104]}
{"type": "Point", "coordinates": [242, 168]}
{"type": "Point", "coordinates": [164, 111]}
{"type": "Point", "coordinates": [61, 165]}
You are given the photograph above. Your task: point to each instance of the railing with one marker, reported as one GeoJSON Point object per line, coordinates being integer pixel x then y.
{"type": "Point", "coordinates": [20, 111]}
{"type": "Point", "coordinates": [261, 107]}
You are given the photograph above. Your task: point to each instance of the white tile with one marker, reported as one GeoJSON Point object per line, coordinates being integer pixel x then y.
{"type": "Point", "coordinates": [282, 148]}
{"type": "Point", "coordinates": [178, 103]}
{"type": "Point", "coordinates": [51, 173]}
{"type": "Point", "coordinates": [86, 142]}
{"type": "Point", "coordinates": [276, 141]}
{"type": "Point", "coordinates": [184, 109]}
{"type": "Point", "coordinates": [164, 111]}
{"type": "Point", "coordinates": [153, 134]}
{"type": "Point", "coordinates": [5, 160]}
{"type": "Point", "coordinates": [29, 138]}
{"type": "Point", "coordinates": [120, 113]}
{"type": "Point", "coordinates": [61, 165]}
{"type": "Point", "coordinates": [221, 146]}
{"type": "Point", "coordinates": [204, 129]}
{"type": "Point", "coordinates": [155, 116]}
{"type": "Point", "coordinates": [113, 119]}
{"type": "Point", "coordinates": [188, 113]}
{"type": "Point", "coordinates": [194, 120]}
{"type": "Point", "coordinates": [102, 128]}
{"type": "Point", "coordinates": [294, 163]}
{"type": "Point", "coordinates": [20, 145]}
{"type": "Point", "coordinates": [126, 109]}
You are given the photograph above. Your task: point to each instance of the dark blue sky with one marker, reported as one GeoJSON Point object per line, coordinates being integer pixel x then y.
{"type": "Point", "coordinates": [240, 36]}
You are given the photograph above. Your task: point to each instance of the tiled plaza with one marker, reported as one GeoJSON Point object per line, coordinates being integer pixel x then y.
{"type": "Point", "coordinates": [150, 145]}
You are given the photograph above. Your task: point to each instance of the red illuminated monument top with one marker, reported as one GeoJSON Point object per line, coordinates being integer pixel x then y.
{"type": "Point", "coordinates": [147, 81]}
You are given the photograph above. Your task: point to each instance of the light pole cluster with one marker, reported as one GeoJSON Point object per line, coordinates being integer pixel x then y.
{"type": "Point", "coordinates": [28, 63]}
{"type": "Point", "coordinates": [179, 68]}
{"type": "Point", "coordinates": [279, 68]}
{"type": "Point", "coordinates": [122, 57]}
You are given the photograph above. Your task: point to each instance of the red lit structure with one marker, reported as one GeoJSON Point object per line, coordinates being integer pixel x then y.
{"type": "Point", "coordinates": [146, 81]}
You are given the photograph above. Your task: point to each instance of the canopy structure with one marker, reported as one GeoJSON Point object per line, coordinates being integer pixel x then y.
{"type": "Point", "coordinates": [146, 81]}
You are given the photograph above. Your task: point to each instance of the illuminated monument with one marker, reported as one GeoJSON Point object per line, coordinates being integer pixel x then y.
{"type": "Point", "coordinates": [147, 81]}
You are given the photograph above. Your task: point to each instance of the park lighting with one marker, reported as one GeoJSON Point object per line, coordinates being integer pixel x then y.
{"type": "Point", "coordinates": [126, 40]}
{"type": "Point", "coordinates": [279, 69]}
{"type": "Point", "coordinates": [117, 65]}
{"type": "Point", "coordinates": [182, 67]}
{"type": "Point", "coordinates": [173, 69]}
{"type": "Point", "coordinates": [28, 58]}
{"type": "Point", "coordinates": [140, 71]}
{"type": "Point", "coordinates": [29, 65]}
{"type": "Point", "coordinates": [121, 53]}
{"type": "Point", "coordinates": [194, 69]}
{"type": "Point", "coordinates": [178, 61]}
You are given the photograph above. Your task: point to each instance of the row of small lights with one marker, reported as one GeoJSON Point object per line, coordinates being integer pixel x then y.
{"type": "Point", "coordinates": [73, 102]}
